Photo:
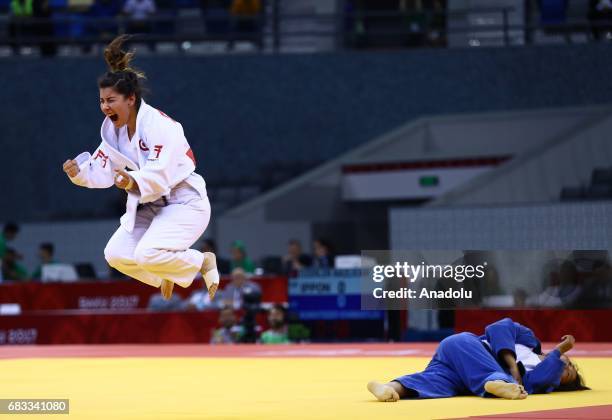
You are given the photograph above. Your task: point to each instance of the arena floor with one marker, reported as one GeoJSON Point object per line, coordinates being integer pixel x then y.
{"type": "Point", "coordinates": [264, 382]}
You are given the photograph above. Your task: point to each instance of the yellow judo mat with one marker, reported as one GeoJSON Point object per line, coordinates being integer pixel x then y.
{"type": "Point", "coordinates": [256, 388]}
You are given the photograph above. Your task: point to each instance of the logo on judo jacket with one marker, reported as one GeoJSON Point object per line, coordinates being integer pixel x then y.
{"type": "Point", "coordinates": [102, 156]}
{"type": "Point", "coordinates": [154, 155]}
{"type": "Point", "coordinates": [157, 149]}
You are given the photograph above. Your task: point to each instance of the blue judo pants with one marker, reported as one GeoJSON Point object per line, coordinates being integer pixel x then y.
{"type": "Point", "coordinates": [461, 366]}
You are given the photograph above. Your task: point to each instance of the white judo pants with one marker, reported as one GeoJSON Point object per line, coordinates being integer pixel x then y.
{"type": "Point", "coordinates": [158, 247]}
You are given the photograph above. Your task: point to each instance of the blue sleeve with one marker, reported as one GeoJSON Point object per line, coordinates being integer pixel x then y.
{"type": "Point", "coordinates": [527, 338]}
{"type": "Point", "coordinates": [546, 376]}
{"type": "Point", "coordinates": [505, 334]}
{"type": "Point", "coordinates": [501, 335]}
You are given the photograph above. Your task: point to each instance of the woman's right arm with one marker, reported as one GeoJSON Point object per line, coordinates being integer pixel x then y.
{"type": "Point", "coordinates": [71, 167]}
{"type": "Point", "coordinates": [566, 344]}
{"type": "Point", "coordinates": [91, 171]}
{"type": "Point", "coordinates": [547, 374]}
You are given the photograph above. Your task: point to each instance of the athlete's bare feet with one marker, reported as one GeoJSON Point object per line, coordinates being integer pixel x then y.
{"type": "Point", "coordinates": [383, 392]}
{"type": "Point", "coordinates": [166, 289]}
{"type": "Point", "coordinates": [506, 390]}
{"type": "Point", "coordinates": [210, 274]}
{"type": "Point", "coordinates": [212, 290]}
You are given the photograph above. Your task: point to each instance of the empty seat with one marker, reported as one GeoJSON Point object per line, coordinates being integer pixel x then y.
{"type": "Point", "coordinates": [5, 6]}
{"type": "Point", "coordinates": [272, 264]}
{"type": "Point", "coordinates": [553, 12]}
{"type": "Point", "coordinates": [601, 176]}
{"type": "Point", "coordinates": [599, 192]}
{"type": "Point", "coordinates": [572, 194]}
{"type": "Point", "coordinates": [59, 272]}
{"type": "Point", "coordinates": [58, 4]}
{"type": "Point", "coordinates": [85, 270]}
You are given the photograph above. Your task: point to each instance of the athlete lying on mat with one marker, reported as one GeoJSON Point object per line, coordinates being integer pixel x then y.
{"type": "Point", "coordinates": [507, 362]}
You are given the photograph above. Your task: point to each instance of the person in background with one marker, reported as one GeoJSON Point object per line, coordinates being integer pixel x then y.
{"type": "Point", "coordinates": [11, 269]}
{"type": "Point", "coordinates": [199, 301]}
{"type": "Point", "coordinates": [562, 290]}
{"type": "Point", "coordinates": [157, 303]}
{"type": "Point", "coordinates": [597, 290]}
{"type": "Point", "coordinates": [323, 255]}
{"type": "Point", "coordinates": [295, 260]}
{"type": "Point", "coordinates": [570, 288]}
{"type": "Point", "coordinates": [223, 265]}
{"type": "Point", "coordinates": [240, 258]}
{"type": "Point", "coordinates": [45, 253]}
{"type": "Point", "coordinates": [229, 332]}
{"type": "Point", "coordinates": [9, 233]}
{"type": "Point", "coordinates": [278, 331]}
{"type": "Point", "coordinates": [231, 295]}
{"type": "Point", "coordinates": [520, 298]}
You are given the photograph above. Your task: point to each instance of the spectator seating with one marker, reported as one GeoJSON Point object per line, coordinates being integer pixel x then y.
{"type": "Point", "coordinates": [599, 188]}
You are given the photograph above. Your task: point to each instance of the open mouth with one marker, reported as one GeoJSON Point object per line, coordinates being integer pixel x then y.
{"type": "Point", "coordinates": [113, 117]}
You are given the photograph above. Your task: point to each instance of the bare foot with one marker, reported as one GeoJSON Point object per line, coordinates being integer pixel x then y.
{"type": "Point", "coordinates": [210, 274]}
{"type": "Point", "coordinates": [166, 289]}
{"type": "Point", "coordinates": [212, 289]}
{"type": "Point", "coordinates": [506, 390]}
{"type": "Point", "coordinates": [383, 392]}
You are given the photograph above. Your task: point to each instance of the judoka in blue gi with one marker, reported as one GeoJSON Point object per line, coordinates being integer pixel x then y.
{"type": "Point", "coordinates": [506, 362]}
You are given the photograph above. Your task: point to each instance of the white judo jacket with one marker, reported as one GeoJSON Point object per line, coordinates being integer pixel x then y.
{"type": "Point", "coordinates": [164, 161]}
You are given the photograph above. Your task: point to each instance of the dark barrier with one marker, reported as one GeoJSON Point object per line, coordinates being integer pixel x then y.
{"type": "Point", "coordinates": [548, 325]}
{"type": "Point", "coordinates": [62, 327]}
{"type": "Point", "coordinates": [117, 295]}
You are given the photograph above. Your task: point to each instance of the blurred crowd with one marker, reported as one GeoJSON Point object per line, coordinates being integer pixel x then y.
{"type": "Point", "coordinates": [239, 264]}
{"type": "Point", "coordinates": [582, 280]}
{"type": "Point", "coordinates": [230, 330]}
{"type": "Point", "coordinates": [365, 23]}
{"type": "Point", "coordinates": [43, 21]}
{"type": "Point", "coordinates": [574, 283]}
{"type": "Point", "coordinates": [239, 302]}
{"type": "Point", "coordinates": [11, 267]}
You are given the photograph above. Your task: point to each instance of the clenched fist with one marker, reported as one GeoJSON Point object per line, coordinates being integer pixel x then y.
{"type": "Point", "coordinates": [567, 344]}
{"type": "Point", "coordinates": [123, 180]}
{"type": "Point", "coordinates": [71, 167]}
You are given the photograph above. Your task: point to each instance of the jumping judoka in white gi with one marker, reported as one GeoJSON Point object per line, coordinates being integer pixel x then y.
{"type": "Point", "coordinates": [145, 152]}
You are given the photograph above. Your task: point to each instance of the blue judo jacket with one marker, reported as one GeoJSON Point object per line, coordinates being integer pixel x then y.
{"type": "Point", "coordinates": [504, 334]}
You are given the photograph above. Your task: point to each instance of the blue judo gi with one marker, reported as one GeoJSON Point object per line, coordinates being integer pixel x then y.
{"type": "Point", "coordinates": [463, 363]}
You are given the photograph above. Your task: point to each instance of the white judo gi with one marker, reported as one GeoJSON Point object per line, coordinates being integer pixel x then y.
{"type": "Point", "coordinates": [171, 210]}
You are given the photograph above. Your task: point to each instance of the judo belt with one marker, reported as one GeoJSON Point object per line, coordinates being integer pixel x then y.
{"type": "Point", "coordinates": [162, 202]}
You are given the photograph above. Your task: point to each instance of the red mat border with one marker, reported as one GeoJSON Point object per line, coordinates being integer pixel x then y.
{"type": "Point", "coordinates": [594, 412]}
